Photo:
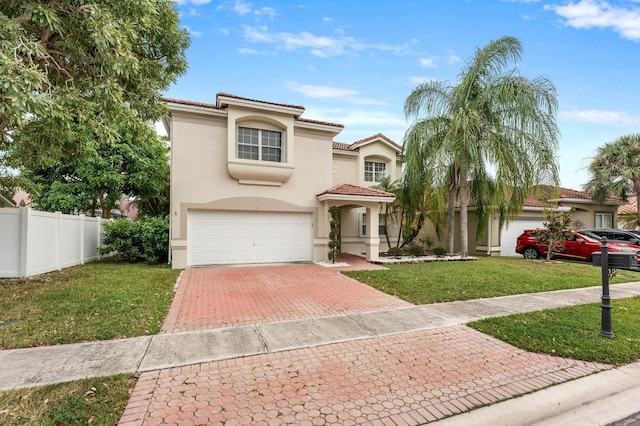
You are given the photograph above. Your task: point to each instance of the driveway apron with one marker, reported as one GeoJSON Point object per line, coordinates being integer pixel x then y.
{"type": "Point", "coordinates": [401, 379]}
{"type": "Point", "coordinates": [224, 297]}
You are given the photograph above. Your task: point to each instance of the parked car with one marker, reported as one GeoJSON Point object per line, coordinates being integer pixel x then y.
{"type": "Point", "coordinates": [617, 235]}
{"type": "Point", "coordinates": [579, 247]}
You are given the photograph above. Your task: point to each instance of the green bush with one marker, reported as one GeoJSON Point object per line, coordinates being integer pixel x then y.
{"type": "Point", "coordinates": [144, 240]}
{"type": "Point", "coordinates": [334, 240]}
{"type": "Point", "coordinates": [416, 250]}
{"type": "Point", "coordinates": [440, 251]}
{"type": "Point", "coordinates": [395, 251]}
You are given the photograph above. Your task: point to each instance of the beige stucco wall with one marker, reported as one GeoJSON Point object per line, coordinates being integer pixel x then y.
{"type": "Point", "coordinates": [380, 152]}
{"type": "Point", "coordinates": [201, 177]}
{"type": "Point", "coordinates": [345, 168]}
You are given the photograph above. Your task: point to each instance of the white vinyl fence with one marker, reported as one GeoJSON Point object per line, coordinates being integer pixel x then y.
{"type": "Point", "coordinates": [33, 242]}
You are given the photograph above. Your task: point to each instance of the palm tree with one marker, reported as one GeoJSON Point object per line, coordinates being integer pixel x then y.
{"type": "Point", "coordinates": [615, 170]}
{"type": "Point", "coordinates": [388, 186]}
{"type": "Point", "coordinates": [492, 136]}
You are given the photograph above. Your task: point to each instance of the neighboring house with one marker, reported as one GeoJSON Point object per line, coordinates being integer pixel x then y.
{"type": "Point", "coordinates": [501, 241]}
{"type": "Point", "coordinates": [252, 182]}
{"type": "Point", "coordinates": [628, 214]}
{"type": "Point", "coordinates": [22, 198]}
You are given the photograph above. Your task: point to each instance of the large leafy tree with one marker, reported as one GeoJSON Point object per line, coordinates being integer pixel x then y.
{"type": "Point", "coordinates": [491, 136]}
{"type": "Point", "coordinates": [134, 164]}
{"type": "Point", "coordinates": [73, 67]}
{"type": "Point", "coordinates": [615, 170]}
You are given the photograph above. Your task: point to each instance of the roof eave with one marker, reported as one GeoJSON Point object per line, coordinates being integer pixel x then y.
{"type": "Point", "coordinates": [363, 198]}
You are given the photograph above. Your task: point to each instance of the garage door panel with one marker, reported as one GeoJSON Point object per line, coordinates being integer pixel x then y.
{"type": "Point", "coordinates": [512, 230]}
{"type": "Point", "coordinates": [217, 237]}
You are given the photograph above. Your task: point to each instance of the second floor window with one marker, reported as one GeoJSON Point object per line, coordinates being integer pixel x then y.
{"type": "Point", "coordinates": [374, 171]}
{"type": "Point", "coordinates": [259, 144]}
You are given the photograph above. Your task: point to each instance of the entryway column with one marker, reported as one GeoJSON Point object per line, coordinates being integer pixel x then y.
{"type": "Point", "coordinates": [373, 238]}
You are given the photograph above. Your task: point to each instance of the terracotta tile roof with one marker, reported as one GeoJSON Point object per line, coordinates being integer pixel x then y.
{"type": "Point", "coordinates": [228, 95]}
{"type": "Point", "coordinates": [630, 207]}
{"type": "Point", "coordinates": [356, 145]}
{"type": "Point", "coordinates": [541, 195]}
{"type": "Point", "coordinates": [212, 106]}
{"type": "Point", "coordinates": [377, 136]}
{"type": "Point", "coordinates": [324, 123]}
{"type": "Point", "coordinates": [361, 191]}
{"type": "Point", "coordinates": [342, 146]}
{"type": "Point", "coordinates": [183, 102]}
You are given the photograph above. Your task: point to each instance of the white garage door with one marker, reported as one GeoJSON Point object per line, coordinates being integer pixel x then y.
{"type": "Point", "coordinates": [226, 237]}
{"type": "Point", "coordinates": [510, 234]}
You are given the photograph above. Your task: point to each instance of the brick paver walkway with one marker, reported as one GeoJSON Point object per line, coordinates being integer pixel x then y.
{"type": "Point", "coordinates": [405, 379]}
{"type": "Point", "coordinates": [225, 297]}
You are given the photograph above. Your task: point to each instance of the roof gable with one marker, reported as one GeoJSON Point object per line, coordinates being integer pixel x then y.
{"type": "Point", "coordinates": [378, 138]}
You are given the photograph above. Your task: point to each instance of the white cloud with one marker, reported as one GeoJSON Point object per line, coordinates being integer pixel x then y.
{"type": "Point", "coordinates": [266, 11]}
{"type": "Point", "coordinates": [452, 58]}
{"type": "Point", "coordinates": [246, 51]}
{"type": "Point", "coordinates": [238, 6]}
{"type": "Point", "coordinates": [415, 80]}
{"type": "Point", "coordinates": [320, 46]}
{"type": "Point", "coordinates": [586, 14]}
{"type": "Point", "coordinates": [193, 2]}
{"type": "Point", "coordinates": [361, 123]}
{"type": "Point", "coordinates": [242, 8]}
{"type": "Point", "coordinates": [615, 118]}
{"type": "Point", "coordinates": [327, 92]}
{"type": "Point", "coordinates": [428, 62]}
{"type": "Point", "coordinates": [193, 32]}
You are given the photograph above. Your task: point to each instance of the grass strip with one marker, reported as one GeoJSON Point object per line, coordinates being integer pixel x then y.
{"type": "Point", "coordinates": [97, 301]}
{"type": "Point", "coordinates": [435, 282]}
{"type": "Point", "coordinates": [572, 332]}
{"type": "Point", "coordinates": [96, 401]}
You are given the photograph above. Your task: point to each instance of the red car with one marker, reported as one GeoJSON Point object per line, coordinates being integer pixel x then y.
{"type": "Point", "coordinates": [579, 247]}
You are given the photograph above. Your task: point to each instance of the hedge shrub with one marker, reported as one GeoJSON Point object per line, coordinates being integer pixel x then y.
{"type": "Point", "coordinates": [142, 240]}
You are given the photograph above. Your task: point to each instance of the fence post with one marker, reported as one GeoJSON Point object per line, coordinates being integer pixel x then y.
{"type": "Point", "coordinates": [24, 240]}
{"type": "Point", "coordinates": [82, 218]}
{"type": "Point", "coordinates": [58, 240]}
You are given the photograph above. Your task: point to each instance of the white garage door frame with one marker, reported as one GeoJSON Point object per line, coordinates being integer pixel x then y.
{"type": "Point", "coordinates": [218, 237]}
{"type": "Point", "coordinates": [512, 230]}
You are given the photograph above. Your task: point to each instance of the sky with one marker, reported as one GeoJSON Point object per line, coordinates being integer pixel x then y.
{"type": "Point", "coordinates": [354, 62]}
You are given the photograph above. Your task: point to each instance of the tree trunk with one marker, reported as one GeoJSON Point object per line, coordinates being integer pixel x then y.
{"type": "Point", "coordinates": [636, 186]}
{"type": "Point", "coordinates": [451, 218]}
{"type": "Point", "coordinates": [400, 228]}
{"type": "Point", "coordinates": [106, 212]}
{"type": "Point", "coordinates": [387, 216]}
{"type": "Point", "coordinates": [464, 194]}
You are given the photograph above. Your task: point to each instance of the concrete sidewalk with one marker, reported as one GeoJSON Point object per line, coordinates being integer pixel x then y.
{"type": "Point", "coordinates": [44, 365]}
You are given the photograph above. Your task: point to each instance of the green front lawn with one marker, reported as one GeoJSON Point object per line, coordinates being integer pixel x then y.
{"type": "Point", "coordinates": [97, 301]}
{"type": "Point", "coordinates": [436, 282]}
{"type": "Point", "coordinates": [572, 332]}
{"type": "Point", "coordinates": [96, 401]}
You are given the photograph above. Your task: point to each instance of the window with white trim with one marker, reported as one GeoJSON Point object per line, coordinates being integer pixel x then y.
{"type": "Point", "coordinates": [259, 144]}
{"type": "Point", "coordinates": [604, 220]}
{"type": "Point", "coordinates": [375, 171]}
{"type": "Point", "coordinates": [382, 224]}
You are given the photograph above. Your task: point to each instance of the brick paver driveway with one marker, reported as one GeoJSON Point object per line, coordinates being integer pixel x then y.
{"type": "Point", "coordinates": [223, 297]}
{"type": "Point", "coordinates": [401, 379]}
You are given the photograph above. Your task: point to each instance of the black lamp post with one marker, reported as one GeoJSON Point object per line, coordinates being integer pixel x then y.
{"type": "Point", "coordinates": [606, 328]}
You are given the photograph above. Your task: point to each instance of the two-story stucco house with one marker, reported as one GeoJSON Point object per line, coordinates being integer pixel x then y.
{"type": "Point", "coordinates": [252, 182]}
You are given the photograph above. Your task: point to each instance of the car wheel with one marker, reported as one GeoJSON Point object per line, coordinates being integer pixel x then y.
{"type": "Point", "coordinates": [531, 253]}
